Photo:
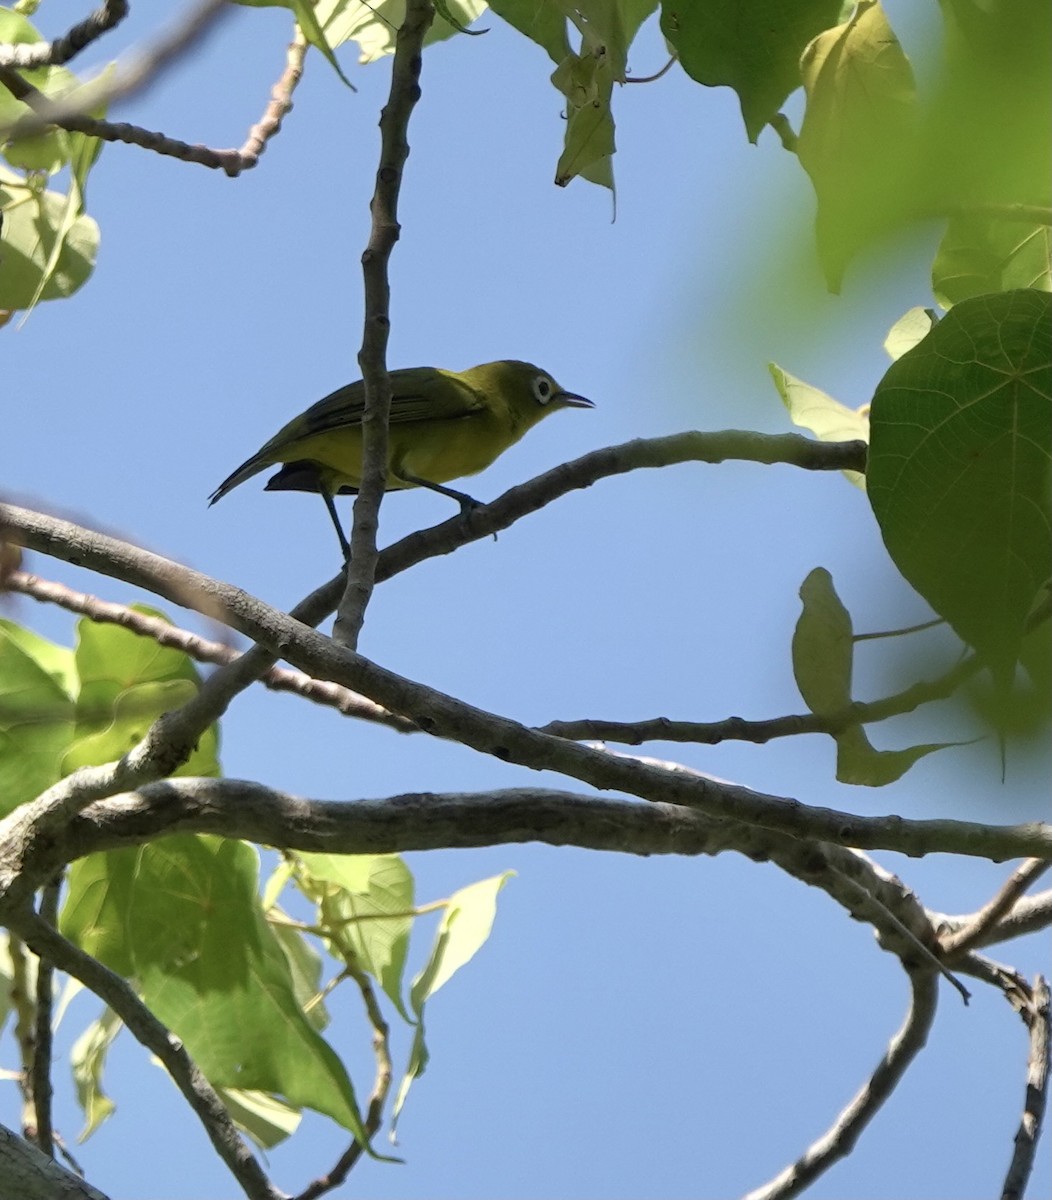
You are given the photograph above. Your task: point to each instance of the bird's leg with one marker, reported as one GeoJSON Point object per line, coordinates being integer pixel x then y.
{"type": "Point", "coordinates": [330, 504]}
{"type": "Point", "coordinates": [466, 502]}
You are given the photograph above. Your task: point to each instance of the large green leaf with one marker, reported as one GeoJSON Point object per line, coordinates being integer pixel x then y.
{"type": "Point", "coordinates": [858, 134]}
{"type": "Point", "coordinates": [36, 714]}
{"type": "Point", "coordinates": [126, 682]}
{"type": "Point", "coordinates": [542, 21]}
{"type": "Point", "coordinates": [753, 46]}
{"type": "Point", "coordinates": [182, 917]}
{"type": "Point", "coordinates": [989, 137]}
{"type": "Point", "coordinates": [979, 255]}
{"type": "Point", "coordinates": [958, 475]}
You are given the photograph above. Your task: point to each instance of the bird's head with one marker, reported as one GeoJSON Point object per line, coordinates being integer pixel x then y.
{"type": "Point", "coordinates": [529, 392]}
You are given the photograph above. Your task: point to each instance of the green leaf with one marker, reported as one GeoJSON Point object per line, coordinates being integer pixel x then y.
{"type": "Point", "coordinates": [127, 682]}
{"type": "Point", "coordinates": [365, 904]}
{"type": "Point", "coordinates": [305, 967]}
{"type": "Point", "coordinates": [857, 139]}
{"type": "Point", "coordinates": [465, 928]}
{"type": "Point", "coordinates": [912, 327]}
{"type": "Point", "coordinates": [823, 646]}
{"type": "Point", "coordinates": [979, 255]}
{"type": "Point", "coordinates": [306, 13]}
{"type": "Point", "coordinates": [374, 26]}
{"type": "Point", "coordinates": [47, 152]}
{"type": "Point", "coordinates": [542, 21]}
{"type": "Point", "coordinates": [826, 418]}
{"type": "Point", "coordinates": [989, 136]}
{"type": "Point", "coordinates": [585, 77]}
{"type": "Point", "coordinates": [1025, 712]}
{"type": "Point", "coordinates": [609, 27]}
{"type": "Point", "coordinates": [6, 978]}
{"type": "Point", "coordinates": [466, 925]}
{"type": "Point", "coordinates": [36, 714]}
{"type": "Point", "coordinates": [182, 917]}
{"type": "Point", "coordinates": [587, 83]}
{"type": "Point", "coordinates": [47, 254]}
{"type": "Point", "coordinates": [958, 470]}
{"type": "Point", "coordinates": [58, 661]}
{"type": "Point", "coordinates": [858, 763]}
{"type": "Point", "coordinates": [753, 46]}
{"type": "Point", "coordinates": [264, 1118]}
{"type": "Point", "coordinates": [823, 661]}
{"type": "Point", "coordinates": [88, 1060]}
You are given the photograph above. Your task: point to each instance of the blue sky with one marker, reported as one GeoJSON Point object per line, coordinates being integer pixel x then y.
{"type": "Point", "coordinates": [634, 1028]}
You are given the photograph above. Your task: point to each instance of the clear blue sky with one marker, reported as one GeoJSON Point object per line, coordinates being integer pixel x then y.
{"type": "Point", "coordinates": [634, 1028]}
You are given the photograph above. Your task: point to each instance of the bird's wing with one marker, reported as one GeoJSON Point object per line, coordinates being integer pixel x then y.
{"type": "Point", "coordinates": [417, 394]}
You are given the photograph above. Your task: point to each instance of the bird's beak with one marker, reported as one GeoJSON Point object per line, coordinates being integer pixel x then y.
{"type": "Point", "coordinates": [572, 400]}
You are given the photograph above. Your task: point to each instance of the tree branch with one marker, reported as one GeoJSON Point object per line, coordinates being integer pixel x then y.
{"type": "Point", "coordinates": [1037, 1018]}
{"type": "Point", "coordinates": [38, 1177]}
{"type": "Point", "coordinates": [840, 1140]}
{"type": "Point", "coordinates": [126, 80]}
{"type": "Point", "coordinates": [42, 1042]}
{"type": "Point", "coordinates": [372, 358]}
{"type": "Point", "coordinates": [232, 162]}
{"type": "Point", "coordinates": [445, 716]}
{"type": "Point", "coordinates": [971, 934]}
{"type": "Point", "coordinates": [48, 943]}
{"type": "Point", "coordinates": [429, 821]}
{"type": "Point", "coordinates": [26, 56]}
{"type": "Point", "coordinates": [711, 733]}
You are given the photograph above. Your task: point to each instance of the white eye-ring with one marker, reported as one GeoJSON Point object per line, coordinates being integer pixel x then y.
{"type": "Point", "coordinates": [542, 389]}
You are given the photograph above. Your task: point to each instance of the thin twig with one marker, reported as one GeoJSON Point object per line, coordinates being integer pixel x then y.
{"type": "Point", "coordinates": [381, 1086]}
{"type": "Point", "coordinates": [973, 934]}
{"type": "Point", "coordinates": [231, 162]}
{"type": "Point", "coordinates": [278, 108]}
{"type": "Point", "coordinates": [109, 14]}
{"type": "Point", "coordinates": [137, 74]}
{"type": "Point", "coordinates": [21, 1000]}
{"type": "Point", "coordinates": [42, 1091]}
{"type": "Point", "coordinates": [372, 358]}
{"type": "Point", "coordinates": [1030, 915]}
{"type": "Point", "coordinates": [1036, 1016]}
{"type": "Point", "coordinates": [786, 133]}
{"type": "Point", "coordinates": [840, 1140]}
{"type": "Point", "coordinates": [711, 733]}
{"type": "Point", "coordinates": [278, 679]}
{"type": "Point", "coordinates": [47, 942]}
{"type": "Point", "coordinates": [928, 957]}
{"type": "Point", "coordinates": [657, 74]}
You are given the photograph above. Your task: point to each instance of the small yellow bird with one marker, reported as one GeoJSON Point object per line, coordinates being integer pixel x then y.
{"type": "Point", "coordinates": [443, 425]}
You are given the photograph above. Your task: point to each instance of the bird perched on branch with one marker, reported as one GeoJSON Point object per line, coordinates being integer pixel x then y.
{"type": "Point", "coordinates": [443, 425]}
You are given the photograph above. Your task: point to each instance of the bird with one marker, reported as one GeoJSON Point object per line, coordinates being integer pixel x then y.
{"type": "Point", "coordinates": [443, 425]}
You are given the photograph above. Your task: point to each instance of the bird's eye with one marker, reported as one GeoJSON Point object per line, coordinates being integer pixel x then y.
{"type": "Point", "coordinates": [542, 389]}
